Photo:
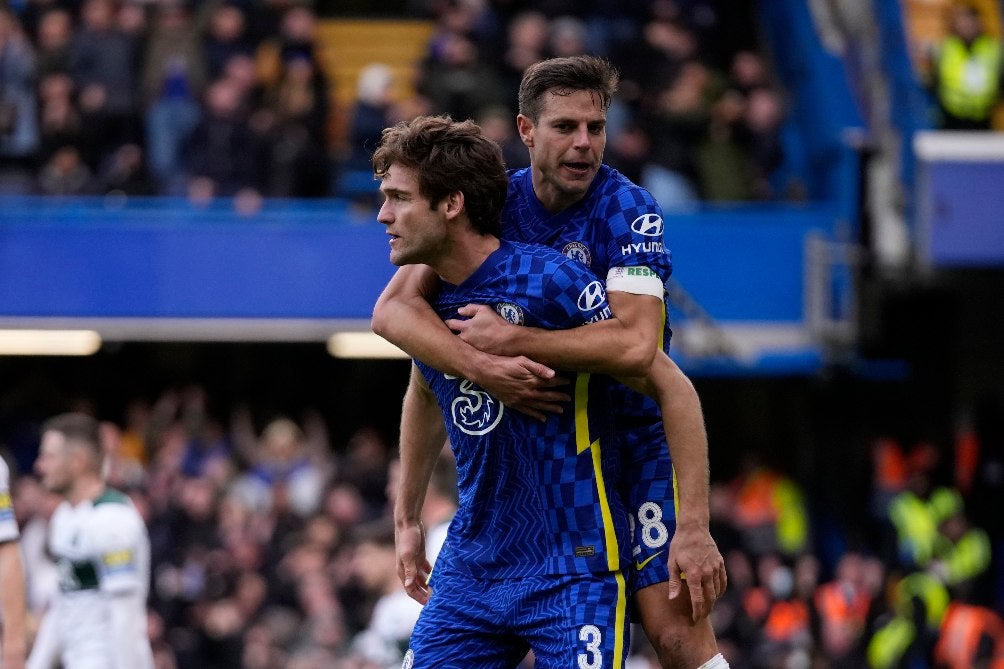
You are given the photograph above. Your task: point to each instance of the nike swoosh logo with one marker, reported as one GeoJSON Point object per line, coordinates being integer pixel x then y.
{"type": "Point", "coordinates": [641, 565]}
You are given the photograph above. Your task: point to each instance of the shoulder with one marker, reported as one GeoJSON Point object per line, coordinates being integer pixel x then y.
{"type": "Point", "coordinates": [617, 197]}
{"type": "Point", "coordinates": [111, 496]}
{"type": "Point", "coordinates": [529, 259]}
{"type": "Point", "coordinates": [518, 186]}
{"type": "Point", "coordinates": [115, 511]}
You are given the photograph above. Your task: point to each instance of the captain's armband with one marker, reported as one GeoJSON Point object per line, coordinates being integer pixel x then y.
{"type": "Point", "coordinates": [635, 280]}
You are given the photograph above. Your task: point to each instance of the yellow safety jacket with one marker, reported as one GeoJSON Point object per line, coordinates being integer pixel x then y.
{"type": "Point", "coordinates": [968, 76]}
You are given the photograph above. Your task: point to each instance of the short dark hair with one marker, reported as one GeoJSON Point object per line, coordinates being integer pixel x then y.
{"type": "Point", "coordinates": [449, 156]}
{"type": "Point", "coordinates": [76, 427]}
{"type": "Point", "coordinates": [564, 76]}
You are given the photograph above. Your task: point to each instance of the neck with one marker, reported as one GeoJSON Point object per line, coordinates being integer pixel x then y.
{"type": "Point", "coordinates": [552, 199]}
{"type": "Point", "coordinates": [86, 488]}
{"type": "Point", "coordinates": [465, 256]}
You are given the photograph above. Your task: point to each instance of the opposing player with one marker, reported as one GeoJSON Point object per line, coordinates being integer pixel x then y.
{"type": "Point", "coordinates": [12, 586]}
{"type": "Point", "coordinates": [100, 543]}
{"type": "Point", "coordinates": [533, 558]}
{"type": "Point", "coordinates": [569, 200]}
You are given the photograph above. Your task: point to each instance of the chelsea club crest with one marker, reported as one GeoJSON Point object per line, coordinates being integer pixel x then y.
{"type": "Point", "coordinates": [578, 251]}
{"type": "Point", "coordinates": [511, 312]}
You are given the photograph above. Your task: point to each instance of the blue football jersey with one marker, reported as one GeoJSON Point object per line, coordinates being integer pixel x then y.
{"type": "Point", "coordinates": [616, 224]}
{"type": "Point", "coordinates": [535, 497]}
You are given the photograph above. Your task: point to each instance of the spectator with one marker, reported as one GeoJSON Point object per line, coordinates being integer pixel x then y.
{"type": "Point", "coordinates": [220, 156]}
{"type": "Point", "coordinates": [294, 127]}
{"type": "Point", "coordinates": [966, 72]}
{"type": "Point", "coordinates": [528, 34]}
{"type": "Point", "coordinates": [370, 114]}
{"type": "Point", "coordinates": [297, 34]}
{"type": "Point", "coordinates": [842, 607]}
{"type": "Point", "coordinates": [770, 511]}
{"type": "Point", "coordinates": [374, 563]}
{"type": "Point", "coordinates": [282, 465]}
{"type": "Point", "coordinates": [497, 125]}
{"type": "Point", "coordinates": [907, 636]}
{"type": "Point", "coordinates": [227, 35]}
{"type": "Point", "coordinates": [961, 553]}
{"type": "Point", "coordinates": [55, 31]}
{"type": "Point", "coordinates": [759, 135]}
{"type": "Point", "coordinates": [724, 170]}
{"type": "Point", "coordinates": [971, 636]}
{"type": "Point", "coordinates": [569, 37]}
{"type": "Point", "coordinates": [59, 119]}
{"type": "Point", "coordinates": [19, 134]}
{"type": "Point", "coordinates": [103, 68]}
{"type": "Point", "coordinates": [456, 80]}
{"type": "Point", "coordinates": [173, 79]}
{"type": "Point", "coordinates": [676, 118]}
{"type": "Point", "coordinates": [65, 173]}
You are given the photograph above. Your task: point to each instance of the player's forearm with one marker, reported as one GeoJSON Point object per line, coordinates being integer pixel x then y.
{"type": "Point", "coordinates": [623, 345]}
{"type": "Point", "coordinates": [421, 439]}
{"type": "Point", "coordinates": [606, 347]}
{"type": "Point", "coordinates": [12, 600]}
{"type": "Point", "coordinates": [128, 621]}
{"type": "Point", "coordinates": [402, 315]}
{"type": "Point", "coordinates": [45, 649]}
{"type": "Point", "coordinates": [683, 424]}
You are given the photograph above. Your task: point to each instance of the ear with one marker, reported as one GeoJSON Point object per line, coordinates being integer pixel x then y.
{"type": "Point", "coordinates": [525, 127]}
{"type": "Point", "coordinates": [454, 204]}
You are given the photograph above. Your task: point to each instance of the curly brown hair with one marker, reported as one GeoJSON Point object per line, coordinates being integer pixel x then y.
{"type": "Point", "coordinates": [449, 156]}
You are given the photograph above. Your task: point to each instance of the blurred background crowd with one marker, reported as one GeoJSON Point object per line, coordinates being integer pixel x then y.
{"type": "Point", "coordinates": [222, 97]}
{"type": "Point", "coordinates": [270, 529]}
{"type": "Point", "coordinates": [272, 544]}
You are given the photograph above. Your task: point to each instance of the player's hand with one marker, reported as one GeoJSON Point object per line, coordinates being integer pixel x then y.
{"type": "Point", "coordinates": [693, 552]}
{"type": "Point", "coordinates": [482, 328]}
{"type": "Point", "coordinates": [412, 566]}
{"type": "Point", "coordinates": [524, 385]}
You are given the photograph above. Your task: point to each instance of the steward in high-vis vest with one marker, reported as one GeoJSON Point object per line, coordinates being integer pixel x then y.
{"type": "Point", "coordinates": [966, 73]}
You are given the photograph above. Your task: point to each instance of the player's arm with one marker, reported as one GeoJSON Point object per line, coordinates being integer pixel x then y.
{"type": "Point", "coordinates": [45, 649]}
{"type": "Point", "coordinates": [623, 344]}
{"type": "Point", "coordinates": [421, 440]}
{"type": "Point", "coordinates": [127, 621]}
{"type": "Point", "coordinates": [692, 551]}
{"type": "Point", "coordinates": [403, 316]}
{"type": "Point", "coordinates": [120, 541]}
{"type": "Point", "coordinates": [12, 605]}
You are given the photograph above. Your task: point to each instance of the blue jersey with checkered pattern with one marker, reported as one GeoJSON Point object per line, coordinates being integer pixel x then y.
{"type": "Point", "coordinates": [536, 497]}
{"type": "Point", "coordinates": [616, 224]}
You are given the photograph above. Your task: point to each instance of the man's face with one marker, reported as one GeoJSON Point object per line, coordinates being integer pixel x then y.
{"type": "Point", "coordinates": [566, 146]}
{"type": "Point", "coordinates": [417, 233]}
{"type": "Point", "coordinates": [374, 565]}
{"type": "Point", "coordinates": [967, 24]}
{"type": "Point", "coordinates": [54, 463]}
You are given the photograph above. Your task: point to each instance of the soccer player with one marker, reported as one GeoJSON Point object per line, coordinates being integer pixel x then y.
{"type": "Point", "coordinates": [569, 200]}
{"type": "Point", "coordinates": [12, 586]}
{"type": "Point", "coordinates": [100, 543]}
{"type": "Point", "coordinates": [533, 559]}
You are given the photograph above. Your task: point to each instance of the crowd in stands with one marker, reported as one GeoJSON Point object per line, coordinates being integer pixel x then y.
{"type": "Point", "coordinates": [230, 97]}
{"type": "Point", "coordinates": [273, 547]}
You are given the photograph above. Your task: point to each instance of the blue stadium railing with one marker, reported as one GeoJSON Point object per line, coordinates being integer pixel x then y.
{"type": "Point", "coordinates": [159, 268]}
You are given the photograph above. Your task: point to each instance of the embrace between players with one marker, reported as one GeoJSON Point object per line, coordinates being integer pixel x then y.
{"type": "Point", "coordinates": [584, 495]}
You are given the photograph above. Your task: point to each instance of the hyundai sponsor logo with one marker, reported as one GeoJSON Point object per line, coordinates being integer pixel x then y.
{"type": "Point", "coordinates": [591, 296]}
{"type": "Point", "coordinates": [649, 225]}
